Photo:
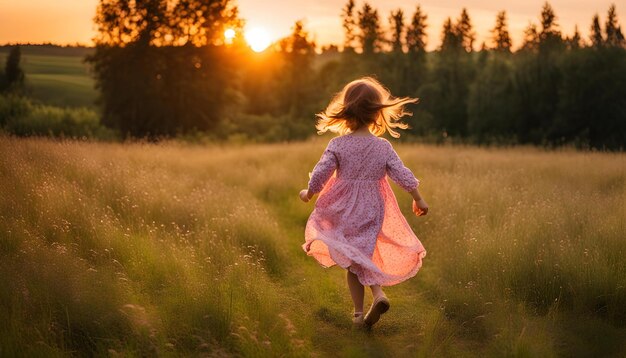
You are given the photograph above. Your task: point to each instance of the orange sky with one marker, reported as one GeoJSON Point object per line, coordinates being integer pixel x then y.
{"type": "Point", "coordinates": [70, 21]}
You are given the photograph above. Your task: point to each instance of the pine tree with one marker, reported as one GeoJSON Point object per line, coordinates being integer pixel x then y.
{"type": "Point", "coordinates": [453, 73]}
{"type": "Point", "coordinates": [369, 25]}
{"type": "Point", "coordinates": [550, 35]}
{"type": "Point", "coordinates": [298, 52]}
{"type": "Point", "coordinates": [396, 20]}
{"type": "Point", "coordinates": [464, 30]}
{"type": "Point", "coordinates": [500, 34]}
{"type": "Point", "coordinates": [531, 37]}
{"type": "Point", "coordinates": [416, 32]}
{"type": "Point", "coordinates": [349, 25]}
{"type": "Point", "coordinates": [450, 39]}
{"type": "Point", "coordinates": [549, 25]}
{"type": "Point", "coordinates": [575, 41]}
{"type": "Point", "coordinates": [416, 38]}
{"type": "Point", "coordinates": [13, 73]}
{"type": "Point", "coordinates": [620, 36]}
{"type": "Point", "coordinates": [597, 39]}
{"type": "Point", "coordinates": [614, 36]}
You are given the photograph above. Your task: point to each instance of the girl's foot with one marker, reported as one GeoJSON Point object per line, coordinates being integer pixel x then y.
{"type": "Point", "coordinates": [357, 318]}
{"type": "Point", "coordinates": [379, 306]}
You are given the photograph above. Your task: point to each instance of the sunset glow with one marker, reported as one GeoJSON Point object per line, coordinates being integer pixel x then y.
{"type": "Point", "coordinates": [71, 21]}
{"type": "Point", "coordinates": [258, 38]}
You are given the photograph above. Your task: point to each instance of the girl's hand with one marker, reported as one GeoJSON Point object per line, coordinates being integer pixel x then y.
{"type": "Point", "coordinates": [420, 208]}
{"type": "Point", "coordinates": [304, 195]}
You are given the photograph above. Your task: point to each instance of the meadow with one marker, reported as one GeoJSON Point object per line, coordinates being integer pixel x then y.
{"type": "Point", "coordinates": [56, 76]}
{"type": "Point", "coordinates": [178, 249]}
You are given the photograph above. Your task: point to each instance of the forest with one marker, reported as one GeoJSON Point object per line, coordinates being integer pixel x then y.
{"type": "Point", "coordinates": [165, 71]}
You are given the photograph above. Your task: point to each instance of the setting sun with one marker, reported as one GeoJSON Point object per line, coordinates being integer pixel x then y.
{"type": "Point", "coordinates": [258, 38]}
{"type": "Point", "coordinates": [229, 35]}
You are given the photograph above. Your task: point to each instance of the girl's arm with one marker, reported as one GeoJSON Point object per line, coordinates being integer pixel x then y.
{"type": "Point", "coordinates": [323, 170]}
{"type": "Point", "coordinates": [399, 173]}
{"type": "Point", "coordinates": [420, 207]}
{"type": "Point", "coordinates": [404, 177]}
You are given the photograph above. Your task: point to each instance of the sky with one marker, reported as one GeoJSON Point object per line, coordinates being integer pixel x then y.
{"type": "Point", "coordinates": [70, 21]}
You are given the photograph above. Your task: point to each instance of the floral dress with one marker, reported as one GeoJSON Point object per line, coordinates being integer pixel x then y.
{"type": "Point", "coordinates": [357, 223]}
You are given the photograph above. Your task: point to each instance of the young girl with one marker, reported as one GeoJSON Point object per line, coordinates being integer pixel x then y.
{"type": "Point", "coordinates": [356, 222]}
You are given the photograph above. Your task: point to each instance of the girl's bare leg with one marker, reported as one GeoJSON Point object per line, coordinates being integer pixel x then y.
{"type": "Point", "coordinates": [356, 291]}
{"type": "Point", "coordinates": [377, 291]}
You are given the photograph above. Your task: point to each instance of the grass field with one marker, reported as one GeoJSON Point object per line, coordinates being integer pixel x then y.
{"type": "Point", "coordinates": [175, 249]}
{"type": "Point", "coordinates": [56, 76]}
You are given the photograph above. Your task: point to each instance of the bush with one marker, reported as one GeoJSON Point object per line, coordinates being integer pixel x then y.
{"type": "Point", "coordinates": [264, 128]}
{"type": "Point", "coordinates": [21, 117]}
{"type": "Point", "coordinates": [13, 107]}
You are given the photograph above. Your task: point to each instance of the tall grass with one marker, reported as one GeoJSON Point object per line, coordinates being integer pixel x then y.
{"type": "Point", "coordinates": [177, 249]}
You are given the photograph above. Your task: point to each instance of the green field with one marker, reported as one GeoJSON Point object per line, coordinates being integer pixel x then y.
{"type": "Point", "coordinates": [175, 249]}
{"type": "Point", "coordinates": [56, 76]}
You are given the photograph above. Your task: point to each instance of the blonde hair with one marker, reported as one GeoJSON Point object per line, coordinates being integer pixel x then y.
{"type": "Point", "coordinates": [364, 102]}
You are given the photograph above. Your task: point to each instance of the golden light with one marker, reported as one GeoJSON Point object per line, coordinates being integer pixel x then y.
{"type": "Point", "coordinates": [258, 39]}
{"type": "Point", "coordinates": [229, 35]}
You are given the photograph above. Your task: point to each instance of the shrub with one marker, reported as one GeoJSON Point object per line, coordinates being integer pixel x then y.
{"type": "Point", "coordinates": [21, 117]}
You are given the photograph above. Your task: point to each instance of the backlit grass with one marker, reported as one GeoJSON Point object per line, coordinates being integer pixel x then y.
{"type": "Point", "coordinates": [157, 249]}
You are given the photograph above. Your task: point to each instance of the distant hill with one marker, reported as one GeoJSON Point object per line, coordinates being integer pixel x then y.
{"type": "Point", "coordinates": [50, 50]}
{"type": "Point", "coordinates": [56, 75]}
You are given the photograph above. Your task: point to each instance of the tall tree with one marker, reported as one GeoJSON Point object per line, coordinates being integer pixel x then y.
{"type": "Point", "coordinates": [298, 51]}
{"type": "Point", "coordinates": [160, 68]}
{"type": "Point", "coordinates": [13, 73]}
{"type": "Point", "coordinates": [417, 71]}
{"type": "Point", "coordinates": [349, 25]}
{"type": "Point", "coordinates": [550, 35]}
{"type": "Point", "coordinates": [395, 64]}
{"type": "Point", "coordinates": [531, 38]}
{"type": "Point", "coordinates": [500, 34]}
{"type": "Point", "coordinates": [575, 41]}
{"type": "Point", "coordinates": [538, 78]}
{"type": "Point", "coordinates": [620, 37]}
{"type": "Point", "coordinates": [596, 36]}
{"type": "Point", "coordinates": [396, 20]}
{"type": "Point", "coordinates": [369, 25]}
{"type": "Point", "coordinates": [549, 26]}
{"type": "Point", "coordinates": [450, 39]}
{"type": "Point", "coordinates": [614, 36]}
{"type": "Point", "coordinates": [465, 31]}
{"type": "Point", "coordinates": [416, 32]}
{"type": "Point", "coordinates": [453, 73]}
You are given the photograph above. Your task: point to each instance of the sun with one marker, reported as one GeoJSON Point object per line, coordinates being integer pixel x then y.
{"type": "Point", "coordinates": [229, 35]}
{"type": "Point", "coordinates": [258, 38]}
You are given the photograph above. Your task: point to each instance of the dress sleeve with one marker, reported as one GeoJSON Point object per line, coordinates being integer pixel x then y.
{"type": "Point", "coordinates": [399, 173]}
{"type": "Point", "coordinates": [323, 170]}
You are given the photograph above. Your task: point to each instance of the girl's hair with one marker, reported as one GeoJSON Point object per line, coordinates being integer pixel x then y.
{"type": "Point", "coordinates": [364, 102]}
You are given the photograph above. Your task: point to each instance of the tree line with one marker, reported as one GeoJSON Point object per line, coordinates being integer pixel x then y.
{"type": "Point", "coordinates": [167, 70]}
{"type": "Point", "coordinates": [553, 89]}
